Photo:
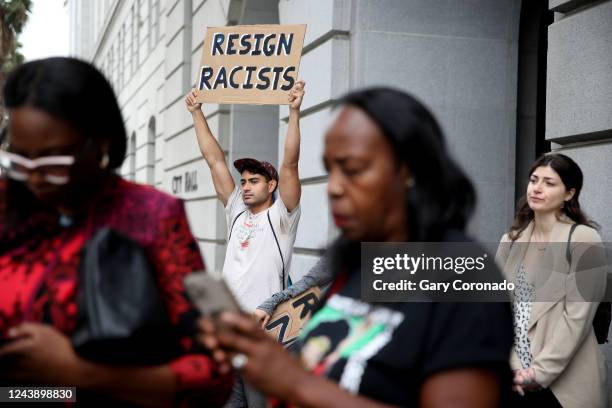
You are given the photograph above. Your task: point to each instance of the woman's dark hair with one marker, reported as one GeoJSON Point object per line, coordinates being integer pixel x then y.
{"type": "Point", "coordinates": [442, 197]}
{"type": "Point", "coordinates": [571, 176]}
{"type": "Point", "coordinates": [74, 91]}
{"type": "Point", "coordinates": [70, 90]}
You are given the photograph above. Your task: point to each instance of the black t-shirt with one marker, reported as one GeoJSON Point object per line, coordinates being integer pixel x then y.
{"type": "Point", "coordinates": [386, 351]}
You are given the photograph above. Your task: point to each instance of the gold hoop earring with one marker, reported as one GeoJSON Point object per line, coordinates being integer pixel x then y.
{"type": "Point", "coordinates": [105, 161]}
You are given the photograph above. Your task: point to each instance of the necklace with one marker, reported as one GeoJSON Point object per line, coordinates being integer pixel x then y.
{"type": "Point", "coordinates": [538, 247]}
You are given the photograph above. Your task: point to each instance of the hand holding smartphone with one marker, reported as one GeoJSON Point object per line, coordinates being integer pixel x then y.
{"type": "Point", "coordinates": [210, 295]}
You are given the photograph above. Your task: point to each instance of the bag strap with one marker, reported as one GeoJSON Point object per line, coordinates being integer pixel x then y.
{"type": "Point", "coordinates": [278, 246]}
{"type": "Point", "coordinates": [568, 252]}
{"type": "Point", "coordinates": [234, 222]}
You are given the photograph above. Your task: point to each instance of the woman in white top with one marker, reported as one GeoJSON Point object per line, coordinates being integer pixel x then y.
{"type": "Point", "coordinates": [555, 358]}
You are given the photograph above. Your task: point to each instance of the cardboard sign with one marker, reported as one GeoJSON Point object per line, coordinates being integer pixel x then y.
{"type": "Point", "coordinates": [254, 64]}
{"type": "Point", "coordinates": [290, 316]}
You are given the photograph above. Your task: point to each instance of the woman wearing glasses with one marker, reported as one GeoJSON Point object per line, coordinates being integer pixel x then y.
{"type": "Point", "coordinates": [64, 141]}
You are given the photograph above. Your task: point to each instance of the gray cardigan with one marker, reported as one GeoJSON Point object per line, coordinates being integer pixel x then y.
{"type": "Point", "coordinates": [319, 275]}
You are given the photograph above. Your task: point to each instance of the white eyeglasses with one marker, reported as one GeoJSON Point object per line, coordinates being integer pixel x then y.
{"type": "Point", "coordinates": [54, 169]}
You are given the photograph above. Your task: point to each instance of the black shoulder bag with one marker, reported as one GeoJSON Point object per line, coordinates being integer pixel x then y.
{"type": "Point", "coordinates": [120, 315]}
{"type": "Point", "coordinates": [603, 314]}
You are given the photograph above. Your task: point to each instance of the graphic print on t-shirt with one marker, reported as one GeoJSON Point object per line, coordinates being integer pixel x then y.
{"type": "Point", "coordinates": [248, 229]}
{"type": "Point", "coordinates": [351, 330]}
{"type": "Point", "coordinates": [253, 266]}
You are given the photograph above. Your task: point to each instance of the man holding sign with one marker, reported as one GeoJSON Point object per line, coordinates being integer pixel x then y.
{"type": "Point", "coordinates": [261, 230]}
{"type": "Point", "coordinates": [253, 64]}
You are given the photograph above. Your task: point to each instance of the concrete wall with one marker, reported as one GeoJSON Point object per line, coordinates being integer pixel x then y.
{"type": "Point", "coordinates": [579, 105]}
{"type": "Point", "coordinates": [151, 68]}
{"type": "Point", "coordinates": [458, 57]}
{"type": "Point", "coordinates": [579, 98]}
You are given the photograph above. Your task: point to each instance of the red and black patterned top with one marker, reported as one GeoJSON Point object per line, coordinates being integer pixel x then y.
{"type": "Point", "coordinates": [39, 262]}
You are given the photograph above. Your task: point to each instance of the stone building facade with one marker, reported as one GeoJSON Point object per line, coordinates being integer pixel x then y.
{"type": "Point", "coordinates": [508, 80]}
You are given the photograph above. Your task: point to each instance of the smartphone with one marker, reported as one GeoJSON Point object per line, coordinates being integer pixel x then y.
{"type": "Point", "coordinates": [210, 295]}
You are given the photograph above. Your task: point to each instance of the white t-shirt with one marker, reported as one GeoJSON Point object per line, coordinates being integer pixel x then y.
{"type": "Point", "coordinates": [253, 267]}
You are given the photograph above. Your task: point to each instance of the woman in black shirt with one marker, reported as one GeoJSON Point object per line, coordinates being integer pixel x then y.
{"type": "Point", "coordinates": [390, 180]}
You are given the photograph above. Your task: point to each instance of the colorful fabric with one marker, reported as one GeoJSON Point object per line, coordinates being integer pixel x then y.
{"type": "Point", "coordinates": [39, 264]}
{"type": "Point", "coordinates": [387, 351]}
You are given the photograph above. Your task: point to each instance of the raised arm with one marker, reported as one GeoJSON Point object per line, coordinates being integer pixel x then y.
{"type": "Point", "coordinates": [289, 183]}
{"type": "Point", "coordinates": [319, 275]}
{"type": "Point", "coordinates": [211, 150]}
